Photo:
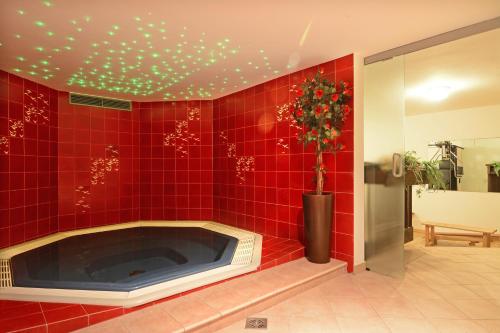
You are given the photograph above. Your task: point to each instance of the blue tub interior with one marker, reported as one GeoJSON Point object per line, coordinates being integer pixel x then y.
{"type": "Point", "coordinates": [123, 260]}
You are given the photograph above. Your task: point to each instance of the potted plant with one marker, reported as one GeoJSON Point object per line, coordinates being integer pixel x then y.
{"type": "Point", "coordinates": [494, 168]}
{"type": "Point", "coordinates": [320, 107]}
{"type": "Point", "coordinates": [418, 172]}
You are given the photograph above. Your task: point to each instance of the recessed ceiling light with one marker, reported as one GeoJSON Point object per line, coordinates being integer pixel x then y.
{"type": "Point", "coordinates": [437, 90]}
{"type": "Point", "coordinates": [438, 93]}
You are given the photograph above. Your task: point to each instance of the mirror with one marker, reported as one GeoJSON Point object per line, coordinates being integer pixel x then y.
{"type": "Point", "coordinates": [467, 164]}
{"type": "Point", "coordinates": [452, 110]}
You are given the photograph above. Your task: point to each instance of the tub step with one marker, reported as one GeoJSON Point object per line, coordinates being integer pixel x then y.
{"type": "Point", "coordinates": [216, 307]}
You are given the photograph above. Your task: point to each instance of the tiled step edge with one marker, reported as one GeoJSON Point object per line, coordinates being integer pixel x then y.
{"type": "Point", "coordinates": [267, 300]}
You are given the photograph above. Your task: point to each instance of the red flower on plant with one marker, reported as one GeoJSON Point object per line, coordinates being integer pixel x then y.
{"type": "Point", "coordinates": [348, 92]}
{"type": "Point", "coordinates": [299, 92]}
{"type": "Point", "coordinates": [327, 125]}
{"type": "Point", "coordinates": [317, 110]}
{"type": "Point", "coordinates": [325, 141]}
{"type": "Point", "coordinates": [347, 109]}
{"type": "Point", "coordinates": [335, 97]}
{"type": "Point", "coordinates": [314, 132]}
{"type": "Point", "coordinates": [319, 93]}
{"type": "Point", "coordinates": [346, 84]}
{"type": "Point", "coordinates": [335, 133]}
{"type": "Point", "coordinates": [299, 113]}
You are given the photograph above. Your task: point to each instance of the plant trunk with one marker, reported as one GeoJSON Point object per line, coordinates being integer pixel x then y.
{"type": "Point", "coordinates": [319, 172]}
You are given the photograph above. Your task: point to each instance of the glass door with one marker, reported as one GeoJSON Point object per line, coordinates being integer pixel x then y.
{"type": "Point", "coordinates": [384, 107]}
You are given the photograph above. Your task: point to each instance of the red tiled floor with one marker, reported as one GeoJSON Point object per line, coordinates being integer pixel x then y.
{"type": "Point", "coordinates": [63, 317]}
{"type": "Point", "coordinates": [10, 324]}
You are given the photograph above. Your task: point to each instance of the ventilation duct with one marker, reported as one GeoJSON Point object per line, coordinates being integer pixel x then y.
{"type": "Point", "coordinates": [109, 103]}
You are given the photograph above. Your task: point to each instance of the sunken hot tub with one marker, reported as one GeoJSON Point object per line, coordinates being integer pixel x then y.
{"type": "Point", "coordinates": [127, 264]}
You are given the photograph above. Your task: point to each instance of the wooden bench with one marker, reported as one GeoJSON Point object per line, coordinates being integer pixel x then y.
{"type": "Point", "coordinates": [431, 236]}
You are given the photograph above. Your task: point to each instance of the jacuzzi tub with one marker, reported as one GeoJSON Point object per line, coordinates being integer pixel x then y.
{"type": "Point", "coordinates": [126, 264]}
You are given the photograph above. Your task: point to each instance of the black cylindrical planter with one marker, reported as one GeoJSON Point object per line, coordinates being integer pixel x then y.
{"type": "Point", "coordinates": [318, 226]}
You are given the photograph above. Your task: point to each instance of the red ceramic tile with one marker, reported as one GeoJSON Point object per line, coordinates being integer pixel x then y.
{"type": "Point", "coordinates": [63, 313]}
{"type": "Point", "coordinates": [20, 310]}
{"type": "Point", "coordinates": [34, 320]}
{"type": "Point", "coordinates": [347, 258]}
{"type": "Point", "coordinates": [344, 223]}
{"type": "Point", "coordinates": [233, 168]}
{"type": "Point", "coordinates": [344, 243]}
{"type": "Point", "coordinates": [68, 325]}
{"type": "Point", "coordinates": [36, 329]}
{"type": "Point", "coordinates": [91, 309]}
{"type": "Point", "coordinates": [344, 203]}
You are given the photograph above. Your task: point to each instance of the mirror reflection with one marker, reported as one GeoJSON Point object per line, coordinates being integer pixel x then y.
{"type": "Point", "coordinates": [468, 164]}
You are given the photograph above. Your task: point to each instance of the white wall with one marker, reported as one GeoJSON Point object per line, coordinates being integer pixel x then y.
{"type": "Point", "coordinates": [470, 208]}
{"type": "Point", "coordinates": [451, 125]}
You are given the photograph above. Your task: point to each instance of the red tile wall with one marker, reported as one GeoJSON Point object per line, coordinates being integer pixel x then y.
{"type": "Point", "coordinates": [28, 160]}
{"type": "Point", "coordinates": [176, 160]}
{"type": "Point", "coordinates": [250, 133]}
{"type": "Point", "coordinates": [235, 160]}
{"type": "Point", "coordinates": [98, 165]}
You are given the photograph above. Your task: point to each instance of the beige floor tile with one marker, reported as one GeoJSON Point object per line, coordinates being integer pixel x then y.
{"type": "Point", "coordinates": [412, 291]}
{"type": "Point", "coordinates": [494, 264]}
{"type": "Point", "coordinates": [190, 310]}
{"type": "Point", "coordinates": [491, 326]}
{"type": "Point", "coordinates": [479, 268]}
{"type": "Point", "coordinates": [493, 277]}
{"type": "Point", "coordinates": [304, 304]}
{"type": "Point", "coordinates": [394, 307]}
{"type": "Point", "coordinates": [338, 288]}
{"type": "Point", "coordinates": [485, 290]}
{"type": "Point", "coordinates": [457, 326]}
{"type": "Point", "coordinates": [454, 291]}
{"type": "Point", "coordinates": [238, 327]}
{"type": "Point", "coordinates": [370, 277]}
{"type": "Point", "coordinates": [466, 277]}
{"type": "Point", "coordinates": [438, 309]}
{"type": "Point", "coordinates": [223, 299]}
{"type": "Point", "coordinates": [376, 290]}
{"type": "Point", "coordinates": [151, 320]}
{"type": "Point", "coordinates": [406, 279]}
{"type": "Point", "coordinates": [434, 277]}
{"type": "Point", "coordinates": [319, 324]}
{"type": "Point", "coordinates": [406, 325]}
{"type": "Point", "coordinates": [352, 307]}
{"type": "Point", "coordinates": [367, 325]}
{"type": "Point", "coordinates": [105, 327]}
{"type": "Point", "coordinates": [478, 309]}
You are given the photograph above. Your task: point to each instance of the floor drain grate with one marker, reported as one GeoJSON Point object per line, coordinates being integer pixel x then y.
{"type": "Point", "coordinates": [259, 323]}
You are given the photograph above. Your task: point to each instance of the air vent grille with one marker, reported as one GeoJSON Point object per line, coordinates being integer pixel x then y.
{"type": "Point", "coordinates": [100, 102]}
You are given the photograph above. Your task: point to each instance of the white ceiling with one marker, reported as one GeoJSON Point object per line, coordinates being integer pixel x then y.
{"type": "Point", "coordinates": [160, 49]}
{"type": "Point", "coordinates": [468, 67]}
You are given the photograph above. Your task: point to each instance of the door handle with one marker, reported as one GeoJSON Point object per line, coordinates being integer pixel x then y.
{"type": "Point", "coordinates": [397, 165]}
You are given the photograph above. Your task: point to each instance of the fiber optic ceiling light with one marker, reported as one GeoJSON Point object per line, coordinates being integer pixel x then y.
{"type": "Point", "coordinates": [175, 50]}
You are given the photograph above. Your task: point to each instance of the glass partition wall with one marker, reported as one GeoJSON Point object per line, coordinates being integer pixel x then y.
{"type": "Point", "coordinates": [384, 166]}
{"type": "Point", "coordinates": [440, 105]}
